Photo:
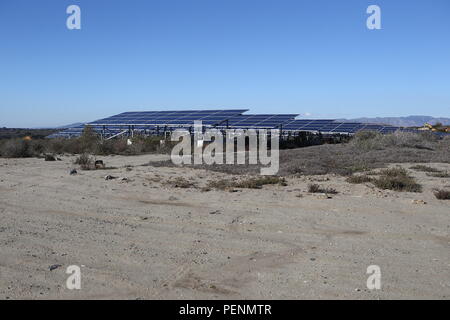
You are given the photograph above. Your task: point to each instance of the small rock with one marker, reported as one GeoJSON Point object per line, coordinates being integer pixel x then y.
{"type": "Point", "coordinates": [419, 202]}
{"type": "Point", "coordinates": [215, 212]}
{"type": "Point", "coordinates": [73, 172]}
{"type": "Point", "coordinates": [99, 164]}
{"type": "Point", "coordinates": [54, 266]}
{"type": "Point", "coordinates": [109, 177]}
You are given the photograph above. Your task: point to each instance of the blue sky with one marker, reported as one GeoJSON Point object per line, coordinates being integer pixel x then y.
{"type": "Point", "coordinates": [272, 56]}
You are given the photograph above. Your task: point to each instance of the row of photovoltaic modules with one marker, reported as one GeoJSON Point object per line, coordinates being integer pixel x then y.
{"type": "Point", "coordinates": [163, 120]}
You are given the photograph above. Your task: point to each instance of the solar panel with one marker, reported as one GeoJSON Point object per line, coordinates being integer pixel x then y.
{"type": "Point", "coordinates": [306, 124]}
{"type": "Point", "coordinates": [259, 120]}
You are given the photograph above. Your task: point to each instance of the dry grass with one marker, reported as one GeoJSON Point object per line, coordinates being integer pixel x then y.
{"type": "Point", "coordinates": [181, 182]}
{"type": "Point", "coordinates": [441, 174]}
{"type": "Point", "coordinates": [84, 159]}
{"type": "Point", "coordinates": [397, 179]}
{"type": "Point", "coordinates": [359, 179]}
{"type": "Point", "coordinates": [423, 168]}
{"type": "Point", "coordinates": [251, 183]}
{"type": "Point", "coordinates": [442, 194]}
{"type": "Point", "coordinates": [315, 188]}
{"type": "Point", "coordinates": [257, 183]}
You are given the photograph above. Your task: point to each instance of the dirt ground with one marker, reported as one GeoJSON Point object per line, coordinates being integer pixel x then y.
{"type": "Point", "coordinates": [142, 238]}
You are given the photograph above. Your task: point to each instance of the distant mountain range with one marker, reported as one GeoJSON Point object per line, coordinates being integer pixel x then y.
{"type": "Point", "coordinates": [410, 121]}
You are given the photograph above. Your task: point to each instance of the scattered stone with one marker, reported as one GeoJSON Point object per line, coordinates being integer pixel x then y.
{"type": "Point", "coordinates": [419, 202]}
{"type": "Point", "coordinates": [54, 266]}
{"type": "Point", "coordinates": [215, 212]}
{"type": "Point", "coordinates": [124, 179]}
{"type": "Point", "coordinates": [110, 177]}
{"type": "Point", "coordinates": [73, 172]}
{"type": "Point", "coordinates": [172, 198]}
{"type": "Point", "coordinates": [357, 290]}
{"type": "Point", "coordinates": [59, 159]}
{"type": "Point", "coordinates": [99, 164]}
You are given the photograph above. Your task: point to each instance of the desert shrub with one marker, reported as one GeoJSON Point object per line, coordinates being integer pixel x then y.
{"type": "Point", "coordinates": [17, 148]}
{"type": "Point", "coordinates": [148, 144]}
{"type": "Point", "coordinates": [315, 188]}
{"type": "Point", "coordinates": [38, 147]}
{"type": "Point", "coordinates": [140, 145]}
{"type": "Point", "coordinates": [440, 174]}
{"type": "Point", "coordinates": [181, 182]}
{"type": "Point", "coordinates": [251, 183]}
{"type": "Point", "coordinates": [369, 140]}
{"type": "Point", "coordinates": [359, 179]}
{"type": "Point", "coordinates": [85, 161]}
{"type": "Point", "coordinates": [394, 172]}
{"type": "Point", "coordinates": [56, 145]}
{"type": "Point", "coordinates": [442, 194]}
{"type": "Point", "coordinates": [366, 140]}
{"type": "Point", "coordinates": [400, 183]}
{"type": "Point", "coordinates": [221, 184]}
{"type": "Point", "coordinates": [88, 140]}
{"type": "Point", "coordinates": [257, 183]}
{"type": "Point", "coordinates": [397, 179]}
{"type": "Point", "coordinates": [49, 157]}
{"type": "Point", "coordinates": [423, 168]}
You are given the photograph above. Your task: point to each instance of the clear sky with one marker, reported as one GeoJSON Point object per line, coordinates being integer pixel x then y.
{"type": "Point", "coordinates": [311, 57]}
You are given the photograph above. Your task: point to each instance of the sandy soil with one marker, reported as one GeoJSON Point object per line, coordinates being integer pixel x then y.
{"type": "Point", "coordinates": [140, 238]}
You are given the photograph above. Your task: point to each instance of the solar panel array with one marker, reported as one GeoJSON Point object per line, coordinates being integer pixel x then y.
{"type": "Point", "coordinates": [151, 121]}
{"type": "Point", "coordinates": [268, 121]}
{"type": "Point", "coordinates": [169, 118]}
{"type": "Point", "coordinates": [154, 120]}
{"type": "Point", "coordinates": [333, 126]}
